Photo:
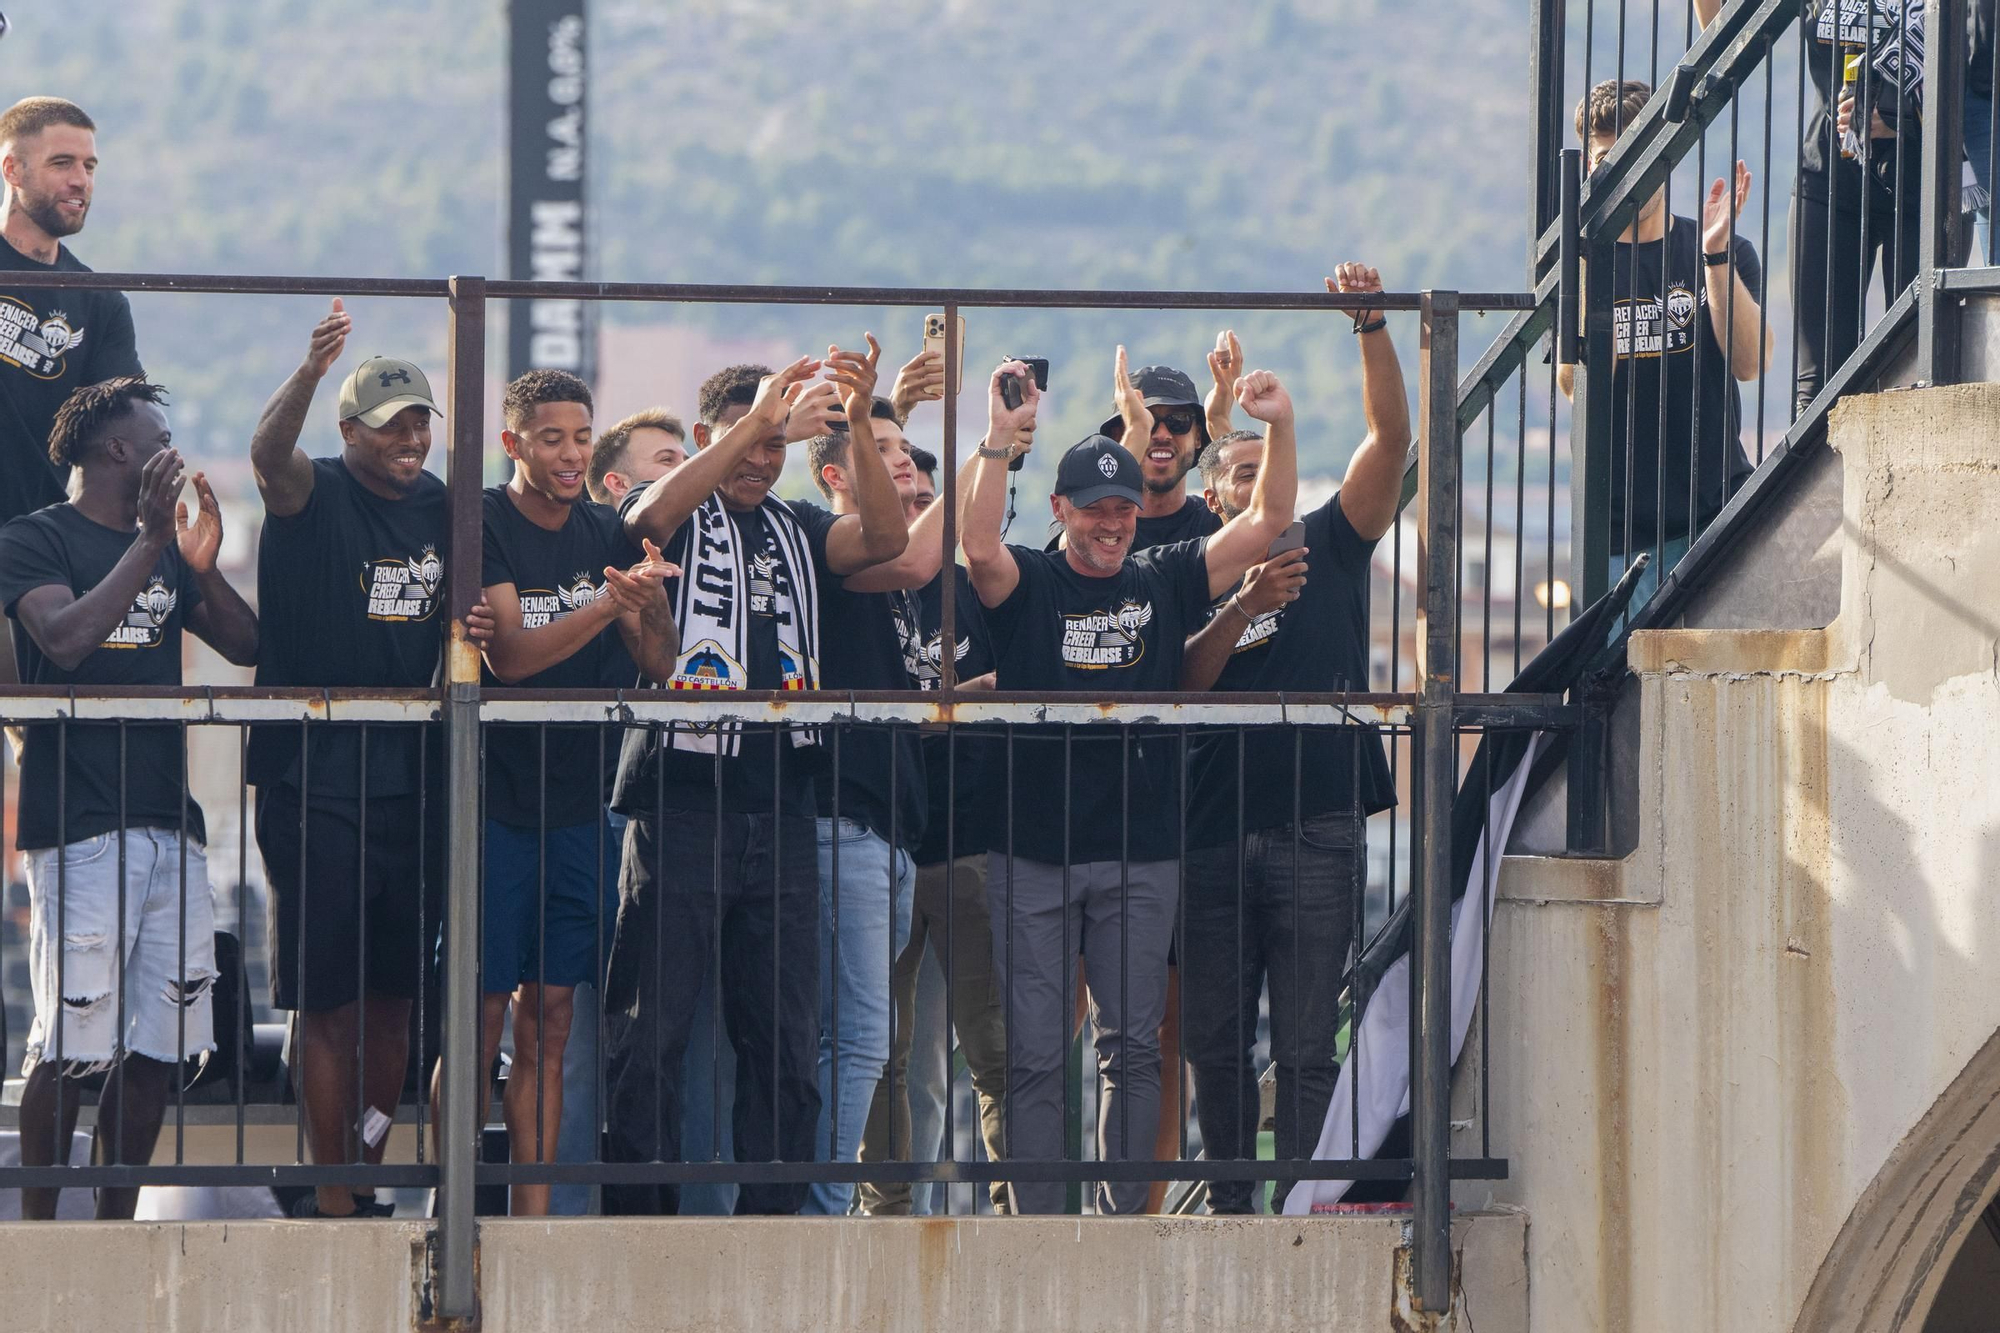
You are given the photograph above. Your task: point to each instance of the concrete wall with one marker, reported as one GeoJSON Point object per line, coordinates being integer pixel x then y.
{"type": "Point", "coordinates": [788, 1275]}
{"type": "Point", "coordinates": [1706, 1052]}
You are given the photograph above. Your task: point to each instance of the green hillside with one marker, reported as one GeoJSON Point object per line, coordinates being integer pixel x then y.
{"type": "Point", "coordinates": [1036, 144]}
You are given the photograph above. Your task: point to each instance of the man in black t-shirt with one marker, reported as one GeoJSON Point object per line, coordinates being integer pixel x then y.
{"type": "Point", "coordinates": [1089, 856]}
{"type": "Point", "coordinates": [1682, 292]}
{"type": "Point", "coordinates": [101, 587]}
{"type": "Point", "coordinates": [1162, 423]}
{"type": "Point", "coordinates": [740, 859]}
{"type": "Point", "coordinates": [52, 341]}
{"type": "Point", "coordinates": [1274, 871]}
{"type": "Point", "coordinates": [351, 582]}
{"type": "Point", "coordinates": [567, 614]}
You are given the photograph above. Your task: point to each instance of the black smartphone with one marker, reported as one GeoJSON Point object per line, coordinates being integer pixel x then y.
{"type": "Point", "coordinates": [1010, 388]}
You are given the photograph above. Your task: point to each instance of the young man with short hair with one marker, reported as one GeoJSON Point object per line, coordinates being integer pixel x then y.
{"type": "Point", "coordinates": [351, 579]}
{"type": "Point", "coordinates": [1274, 871]}
{"type": "Point", "coordinates": [1682, 292]}
{"type": "Point", "coordinates": [567, 614]}
{"type": "Point", "coordinates": [1090, 865]}
{"type": "Point", "coordinates": [51, 341]}
{"type": "Point", "coordinates": [742, 861]}
{"type": "Point", "coordinates": [643, 447]}
{"type": "Point", "coordinates": [1164, 425]}
{"type": "Point", "coordinates": [120, 920]}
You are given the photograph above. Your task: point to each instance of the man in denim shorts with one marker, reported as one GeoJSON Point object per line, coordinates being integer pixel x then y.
{"type": "Point", "coordinates": [121, 932]}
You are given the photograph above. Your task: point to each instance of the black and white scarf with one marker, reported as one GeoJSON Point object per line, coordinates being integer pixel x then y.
{"type": "Point", "coordinates": [720, 582]}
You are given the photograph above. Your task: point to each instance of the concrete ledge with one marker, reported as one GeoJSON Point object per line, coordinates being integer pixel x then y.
{"type": "Point", "coordinates": [771, 1275]}
{"type": "Point", "coordinates": [1730, 651]}
{"type": "Point", "coordinates": [1566, 879]}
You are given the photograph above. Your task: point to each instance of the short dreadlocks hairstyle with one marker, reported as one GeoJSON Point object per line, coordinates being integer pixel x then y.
{"type": "Point", "coordinates": [531, 390]}
{"type": "Point", "coordinates": [87, 414]}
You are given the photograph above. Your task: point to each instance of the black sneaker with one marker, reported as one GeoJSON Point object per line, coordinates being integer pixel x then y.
{"type": "Point", "coordinates": [366, 1205]}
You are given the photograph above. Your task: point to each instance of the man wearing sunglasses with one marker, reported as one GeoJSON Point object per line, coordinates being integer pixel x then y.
{"type": "Point", "coordinates": [1160, 422]}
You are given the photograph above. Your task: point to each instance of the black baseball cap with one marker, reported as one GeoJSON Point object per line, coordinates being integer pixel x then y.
{"type": "Point", "coordinates": [1162, 386]}
{"type": "Point", "coordinates": [1098, 468]}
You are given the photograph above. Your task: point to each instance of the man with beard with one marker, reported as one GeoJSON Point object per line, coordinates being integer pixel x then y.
{"type": "Point", "coordinates": [51, 341]}
{"type": "Point", "coordinates": [1161, 421]}
{"type": "Point", "coordinates": [1088, 865]}
{"type": "Point", "coordinates": [1271, 890]}
{"type": "Point", "coordinates": [351, 582]}
{"type": "Point", "coordinates": [643, 447]}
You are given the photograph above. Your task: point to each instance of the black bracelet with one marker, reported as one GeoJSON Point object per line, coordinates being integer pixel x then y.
{"type": "Point", "coordinates": [1714, 261]}
{"type": "Point", "coordinates": [1371, 325]}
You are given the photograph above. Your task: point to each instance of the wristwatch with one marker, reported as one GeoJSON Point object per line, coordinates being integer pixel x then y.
{"type": "Point", "coordinates": [1714, 261]}
{"type": "Point", "coordinates": [985, 452]}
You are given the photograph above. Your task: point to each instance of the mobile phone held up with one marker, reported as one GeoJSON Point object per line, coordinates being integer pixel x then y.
{"type": "Point", "coordinates": [934, 342]}
{"type": "Point", "coordinates": [1291, 539]}
{"type": "Point", "coordinates": [1010, 391]}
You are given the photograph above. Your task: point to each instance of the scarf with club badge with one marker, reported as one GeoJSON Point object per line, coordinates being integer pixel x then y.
{"type": "Point", "coordinates": [713, 605]}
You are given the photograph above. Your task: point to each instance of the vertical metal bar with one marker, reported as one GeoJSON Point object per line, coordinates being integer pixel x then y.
{"type": "Point", "coordinates": [1545, 85]}
{"type": "Point", "coordinates": [1591, 422]}
{"type": "Point", "coordinates": [1944, 139]}
{"type": "Point", "coordinates": [242, 930]}
{"type": "Point", "coordinates": [458, 1137]}
{"type": "Point", "coordinates": [180, 972]}
{"type": "Point", "coordinates": [948, 484]}
{"type": "Point", "coordinates": [1569, 335]}
{"type": "Point", "coordinates": [1430, 1074]}
{"type": "Point", "coordinates": [118, 1051]}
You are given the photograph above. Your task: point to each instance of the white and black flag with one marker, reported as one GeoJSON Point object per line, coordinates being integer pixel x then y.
{"type": "Point", "coordinates": [548, 232]}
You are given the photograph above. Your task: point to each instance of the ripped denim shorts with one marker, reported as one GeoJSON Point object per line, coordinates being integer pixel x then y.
{"type": "Point", "coordinates": [164, 970]}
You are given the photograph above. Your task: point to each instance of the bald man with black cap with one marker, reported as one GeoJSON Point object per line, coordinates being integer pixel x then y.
{"type": "Point", "coordinates": [1088, 865]}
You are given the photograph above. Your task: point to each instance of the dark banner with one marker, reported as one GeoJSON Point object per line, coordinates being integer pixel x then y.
{"type": "Point", "coordinates": [547, 235]}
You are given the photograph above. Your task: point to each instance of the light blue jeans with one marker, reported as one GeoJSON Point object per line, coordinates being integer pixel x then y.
{"type": "Point", "coordinates": [927, 1082]}
{"type": "Point", "coordinates": [877, 885]}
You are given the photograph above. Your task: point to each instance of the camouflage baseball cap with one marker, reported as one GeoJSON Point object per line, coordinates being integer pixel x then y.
{"type": "Point", "coordinates": [382, 386]}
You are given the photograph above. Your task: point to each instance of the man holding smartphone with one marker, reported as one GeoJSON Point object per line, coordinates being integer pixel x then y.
{"type": "Point", "coordinates": [1289, 917]}
{"type": "Point", "coordinates": [1087, 865]}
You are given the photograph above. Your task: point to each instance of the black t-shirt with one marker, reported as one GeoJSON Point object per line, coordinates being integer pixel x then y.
{"type": "Point", "coordinates": [868, 641]}
{"type": "Point", "coordinates": [1826, 53]}
{"type": "Point", "coordinates": [1193, 519]}
{"type": "Point", "coordinates": [979, 752]}
{"type": "Point", "coordinates": [554, 574]}
{"type": "Point", "coordinates": [1318, 643]}
{"type": "Point", "coordinates": [652, 776]}
{"type": "Point", "coordinates": [58, 545]}
{"type": "Point", "coordinates": [350, 594]}
{"type": "Point", "coordinates": [51, 342]}
{"type": "Point", "coordinates": [1702, 408]}
{"type": "Point", "coordinates": [1061, 630]}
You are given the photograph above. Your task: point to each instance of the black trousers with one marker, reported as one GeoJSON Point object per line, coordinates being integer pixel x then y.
{"type": "Point", "coordinates": [1833, 263]}
{"type": "Point", "coordinates": [1289, 919]}
{"type": "Point", "coordinates": [762, 905]}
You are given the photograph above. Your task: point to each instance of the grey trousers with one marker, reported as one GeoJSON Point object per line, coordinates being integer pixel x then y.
{"type": "Point", "coordinates": [974, 1000]}
{"type": "Point", "coordinates": [1121, 919]}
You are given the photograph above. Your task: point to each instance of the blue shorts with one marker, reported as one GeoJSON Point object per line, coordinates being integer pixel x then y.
{"type": "Point", "coordinates": [557, 939]}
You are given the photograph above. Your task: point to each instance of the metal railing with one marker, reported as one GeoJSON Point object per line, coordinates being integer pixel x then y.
{"type": "Point", "coordinates": [1423, 712]}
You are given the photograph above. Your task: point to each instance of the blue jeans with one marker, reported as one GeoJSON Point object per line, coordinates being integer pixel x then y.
{"type": "Point", "coordinates": [1978, 151]}
{"type": "Point", "coordinates": [928, 1082]}
{"type": "Point", "coordinates": [579, 1139]}
{"type": "Point", "coordinates": [1663, 559]}
{"type": "Point", "coordinates": [877, 884]}
{"type": "Point", "coordinates": [704, 1137]}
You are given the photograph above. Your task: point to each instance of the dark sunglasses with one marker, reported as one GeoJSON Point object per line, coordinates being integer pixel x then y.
{"type": "Point", "coordinates": [1177, 423]}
